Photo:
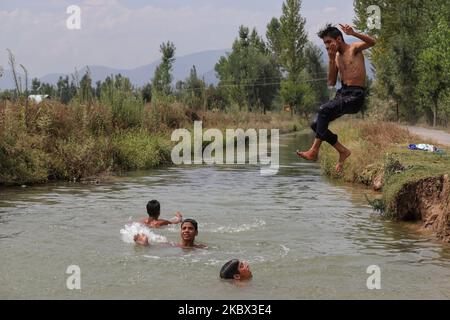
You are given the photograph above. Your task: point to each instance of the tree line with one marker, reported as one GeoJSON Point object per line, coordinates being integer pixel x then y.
{"type": "Point", "coordinates": [411, 59]}
{"type": "Point", "coordinates": [257, 75]}
{"type": "Point", "coordinates": [411, 63]}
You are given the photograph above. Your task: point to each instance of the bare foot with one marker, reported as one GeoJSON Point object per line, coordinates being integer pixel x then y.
{"type": "Point", "coordinates": [308, 155]}
{"type": "Point", "coordinates": [343, 155]}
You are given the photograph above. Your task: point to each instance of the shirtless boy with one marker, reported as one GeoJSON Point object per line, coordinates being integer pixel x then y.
{"type": "Point", "coordinates": [348, 61]}
{"type": "Point", "coordinates": [153, 220]}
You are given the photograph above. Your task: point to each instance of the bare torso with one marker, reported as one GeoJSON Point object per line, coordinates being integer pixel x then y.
{"type": "Point", "coordinates": [152, 223]}
{"type": "Point", "coordinates": [352, 69]}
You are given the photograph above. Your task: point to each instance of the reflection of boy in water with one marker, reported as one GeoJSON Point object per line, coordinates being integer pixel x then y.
{"type": "Point", "coordinates": [237, 270]}
{"type": "Point", "coordinates": [153, 221]}
{"type": "Point", "coordinates": [189, 230]}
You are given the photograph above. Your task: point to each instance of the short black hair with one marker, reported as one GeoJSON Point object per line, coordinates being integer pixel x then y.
{"type": "Point", "coordinates": [330, 31]}
{"type": "Point", "coordinates": [153, 208]}
{"type": "Point", "coordinates": [194, 223]}
{"type": "Point", "coordinates": [229, 269]}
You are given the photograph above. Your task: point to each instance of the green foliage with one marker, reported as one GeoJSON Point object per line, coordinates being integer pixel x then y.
{"type": "Point", "coordinates": [249, 74]}
{"type": "Point", "coordinates": [300, 60]}
{"type": "Point", "coordinates": [80, 156]}
{"type": "Point", "coordinates": [434, 62]}
{"type": "Point", "coordinates": [136, 150]}
{"type": "Point", "coordinates": [293, 38]}
{"type": "Point", "coordinates": [316, 72]}
{"type": "Point", "coordinates": [299, 94]}
{"type": "Point", "coordinates": [20, 160]}
{"type": "Point", "coordinates": [86, 93]}
{"type": "Point", "coordinates": [125, 104]}
{"type": "Point", "coordinates": [65, 90]}
{"type": "Point", "coordinates": [377, 205]}
{"type": "Point", "coordinates": [192, 92]}
{"type": "Point", "coordinates": [162, 79]}
{"type": "Point", "coordinates": [411, 56]}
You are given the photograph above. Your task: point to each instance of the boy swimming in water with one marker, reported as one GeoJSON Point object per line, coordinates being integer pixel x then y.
{"type": "Point", "coordinates": [153, 221]}
{"type": "Point", "coordinates": [188, 232]}
{"type": "Point", "coordinates": [236, 269]}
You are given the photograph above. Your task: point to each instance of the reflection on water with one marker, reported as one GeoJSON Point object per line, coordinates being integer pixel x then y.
{"type": "Point", "coordinates": [316, 236]}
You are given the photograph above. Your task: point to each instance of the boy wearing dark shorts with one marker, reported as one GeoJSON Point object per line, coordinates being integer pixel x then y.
{"type": "Point", "coordinates": [348, 61]}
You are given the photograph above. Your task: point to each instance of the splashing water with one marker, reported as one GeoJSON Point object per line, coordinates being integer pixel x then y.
{"type": "Point", "coordinates": [130, 230]}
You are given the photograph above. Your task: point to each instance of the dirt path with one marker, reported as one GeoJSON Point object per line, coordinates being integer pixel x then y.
{"type": "Point", "coordinates": [438, 136]}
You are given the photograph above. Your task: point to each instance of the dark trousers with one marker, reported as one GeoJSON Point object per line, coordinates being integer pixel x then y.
{"type": "Point", "coordinates": [348, 100]}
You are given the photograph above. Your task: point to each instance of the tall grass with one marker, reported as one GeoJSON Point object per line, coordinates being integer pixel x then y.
{"type": "Point", "coordinates": [369, 142]}
{"type": "Point", "coordinates": [54, 141]}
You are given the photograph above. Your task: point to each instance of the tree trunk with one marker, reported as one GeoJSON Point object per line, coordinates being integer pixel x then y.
{"type": "Point", "coordinates": [398, 113]}
{"type": "Point", "coordinates": [435, 111]}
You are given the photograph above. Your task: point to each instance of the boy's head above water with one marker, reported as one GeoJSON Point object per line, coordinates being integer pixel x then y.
{"type": "Point", "coordinates": [153, 209]}
{"type": "Point", "coordinates": [236, 269]}
{"type": "Point", "coordinates": [188, 232]}
{"type": "Point", "coordinates": [192, 221]}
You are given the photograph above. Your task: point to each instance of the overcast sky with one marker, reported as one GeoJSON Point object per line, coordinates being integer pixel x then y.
{"type": "Point", "coordinates": [127, 34]}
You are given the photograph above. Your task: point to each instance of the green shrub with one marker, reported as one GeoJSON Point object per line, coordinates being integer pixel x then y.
{"type": "Point", "coordinates": [79, 157]}
{"type": "Point", "coordinates": [21, 161]}
{"type": "Point", "coordinates": [138, 150]}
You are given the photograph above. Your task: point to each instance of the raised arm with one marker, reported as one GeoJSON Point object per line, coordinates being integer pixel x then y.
{"type": "Point", "coordinates": [177, 219]}
{"type": "Point", "coordinates": [367, 43]}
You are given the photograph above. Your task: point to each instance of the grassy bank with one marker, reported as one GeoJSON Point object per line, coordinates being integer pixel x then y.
{"type": "Point", "coordinates": [53, 141]}
{"type": "Point", "coordinates": [380, 159]}
{"type": "Point", "coordinates": [370, 143]}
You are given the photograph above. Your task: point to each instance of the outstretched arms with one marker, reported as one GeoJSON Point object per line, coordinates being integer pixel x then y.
{"type": "Point", "coordinates": [367, 43]}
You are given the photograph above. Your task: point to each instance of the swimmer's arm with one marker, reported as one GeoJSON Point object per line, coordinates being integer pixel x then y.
{"type": "Point", "coordinates": [174, 220]}
{"type": "Point", "coordinates": [177, 219]}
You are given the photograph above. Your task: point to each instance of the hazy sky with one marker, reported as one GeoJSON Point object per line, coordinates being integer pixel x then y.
{"type": "Point", "coordinates": [127, 34]}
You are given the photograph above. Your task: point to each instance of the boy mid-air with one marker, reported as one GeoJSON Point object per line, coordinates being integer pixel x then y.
{"type": "Point", "coordinates": [348, 61]}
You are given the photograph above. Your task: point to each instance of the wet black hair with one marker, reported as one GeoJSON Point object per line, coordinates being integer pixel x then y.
{"type": "Point", "coordinates": [153, 208]}
{"type": "Point", "coordinates": [194, 223]}
{"type": "Point", "coordinates": [330, 31]}
{"type": "Point", "coordinates": [229, 269]}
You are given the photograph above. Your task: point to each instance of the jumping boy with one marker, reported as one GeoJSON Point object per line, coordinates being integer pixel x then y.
{"type": "Point", "coordinates": [348, 61]}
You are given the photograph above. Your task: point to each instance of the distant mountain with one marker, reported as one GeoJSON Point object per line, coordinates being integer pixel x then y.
{"type": "Point", "coordinates": [204, 62]}
{"type": "Point", "coordinates": [7, 80]}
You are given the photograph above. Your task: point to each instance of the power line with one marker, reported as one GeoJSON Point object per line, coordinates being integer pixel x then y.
{"type": "Point", "coordinates": [249, 85]}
